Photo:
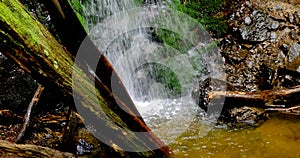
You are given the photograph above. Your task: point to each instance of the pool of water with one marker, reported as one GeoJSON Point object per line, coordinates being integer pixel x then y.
{"type": "Point", "coordinates": [277, 137]}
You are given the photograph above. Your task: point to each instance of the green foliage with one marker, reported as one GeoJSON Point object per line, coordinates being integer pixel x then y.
{"type": "Point", "coordinates": [138, 2]}
{"type": "Point", "coordinates": [173, 40]}
{"type": "Point", "coordinates": [77, 7]}
{"type": "Point", "coordinates": [207, 12]}
{"type": "Point", "coordinates": [166, 77]}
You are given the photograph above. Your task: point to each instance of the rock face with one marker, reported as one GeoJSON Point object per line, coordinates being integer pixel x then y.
{"type": "Point", "coordinates": [264, 39]}
{"type": "Point", "coordinates": [257, 27]}
{"type": "Point", "coordinates": [264, 36]}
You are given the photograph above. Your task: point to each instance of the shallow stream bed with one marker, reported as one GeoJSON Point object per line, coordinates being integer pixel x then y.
{"type": "Point", "coordinates": [277, 137]}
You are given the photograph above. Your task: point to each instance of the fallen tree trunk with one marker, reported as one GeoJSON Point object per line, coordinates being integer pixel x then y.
{"type": "Point", "coordinates": [73, 36]}
{"type": "Point", "coordinates": [28, 43]}
{"type": "Point", "coordinates": [8, 149]}
{"type": "Point", "coordinates": [267, 99]}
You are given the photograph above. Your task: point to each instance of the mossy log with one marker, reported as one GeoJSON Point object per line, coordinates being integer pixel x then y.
{"type": "Point", "coordinates": [8, 149]}
{"type": "Point", "coordinates": [28, 43]}
{"type": "Point", "coordinates": [72, 34]}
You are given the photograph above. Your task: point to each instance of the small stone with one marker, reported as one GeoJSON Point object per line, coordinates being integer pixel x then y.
{"type": "Point", "coordinates": [257, 13]}
{"type": "Point", "coordinates": [273, 36]}
{"type": "Point", "coordinates": [293, 34]}
{"type": "Point", "coordinates": [298, 69]}
{"type": "Point", "coordinates": [248, 3]}
{"type": "Point", "coordinates": [275, 25]}
{"type": "Point", "coordinates": [294, 52]}
{"type": "Point", "coordinates": [277, 7]}
{"type": "Point", "coordinates": [242, 9]}
{"type": "Point", "coordinates": [289, 17]}
{"type": "Point", "coordinates": [296, 17]}
{"type": "Point", "coordinates": [285, 48]}
{"type": "Point", "coordinates": [248, 20]}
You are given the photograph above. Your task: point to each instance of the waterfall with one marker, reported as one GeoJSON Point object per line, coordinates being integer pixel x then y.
{"type": "Point", "coordinates": [158, 77]}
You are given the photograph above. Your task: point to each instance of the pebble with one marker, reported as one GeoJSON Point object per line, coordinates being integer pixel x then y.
{"type": "Point", "coordinates": [248, 4]}
{"type": "Point", "coordinates": [275, 25]}
{"type": "Point", "coordinates": [273, 36]}
{"type": "Point", "coordinates": [248, 20]}
{"type": "Point", "coordinates": [277, 7]}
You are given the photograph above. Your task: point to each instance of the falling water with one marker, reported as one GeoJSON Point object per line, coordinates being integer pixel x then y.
{"type": "Point", "coordinates": [125, 32]}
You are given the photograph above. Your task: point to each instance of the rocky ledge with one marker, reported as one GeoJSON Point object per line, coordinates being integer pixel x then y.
{"type": "Point", "coordinates": [261, 52]}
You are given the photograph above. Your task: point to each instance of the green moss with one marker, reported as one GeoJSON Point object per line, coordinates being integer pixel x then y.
{"type": "Point", "coordinates": [174, 40]}
{"type": "Point", "coordinates": [78, 8]}
{"type": "Point", "coordinates": [207, 12]}
{"type": "Point", "coordinates": [55, 64]}
{"type": "Point", "coordinates": [167, 78]}
{"type": "Point", "coordinates": [138, 2]}
{"type": "Point", "coordinates": [46, 52]}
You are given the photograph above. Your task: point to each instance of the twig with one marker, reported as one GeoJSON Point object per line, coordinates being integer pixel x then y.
{"type": "Point", "coordinates": [26, 124]}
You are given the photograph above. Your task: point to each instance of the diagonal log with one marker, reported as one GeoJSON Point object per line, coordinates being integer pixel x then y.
{"type": "Point", "coordinates": [29, 44]}
{"type": "Point", "coordinates": [72, 34]}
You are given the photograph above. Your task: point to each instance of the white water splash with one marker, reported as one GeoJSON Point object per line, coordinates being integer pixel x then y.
{"type": "Point", "coordinates": [123, 32]}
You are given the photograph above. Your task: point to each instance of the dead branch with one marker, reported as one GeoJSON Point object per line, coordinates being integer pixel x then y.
{"type": "Point", "coordinates": [27, 117]}
{"type": "Point", "coordinates": [8, 149]}
{"type": "Point", "coordinates": [270, 100]}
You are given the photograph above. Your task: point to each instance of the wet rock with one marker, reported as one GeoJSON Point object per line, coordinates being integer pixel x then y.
{"type": "Point", "coordinates": [285, 48]}
{"type": "Point", "coordinates": [265, 77]}
{"type": "Point", "coordinates": [289, 17]}
{"type": "Point", "coordinates": [258, 30]}
{"type": "Point", "coordinates": [274, 25]}
{"type": "Point", "coordinates": [293, 34]}
{"type": "Point", "coordinates": [247, 116]}
{"type": "Point", "coordinates": [200, 94]}
{"type": "Point", "coordinates": [257, 27]}
{"type": "Point", "coordinates": [277, 7]}
{"type": "Point", "coordinates": [248, 20]}
{"type": "Point", "coordinates": [273, 36]}
{"type": "Point", "coordinates": [84, 147]}
{"type": "Point", "coordinates": [294, 52]}
{"type": "Point", "coordinates": [289, 78]}
{"type": "Point", "coordinates": [248, 3]}
{"type": "Point", "coordinates": [234, 53]}
{"type": "Point", "coordinates": [297, 18]}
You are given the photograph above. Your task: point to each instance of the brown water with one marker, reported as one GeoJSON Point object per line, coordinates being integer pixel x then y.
{"type": "Point", "coordinates": [277, 137]}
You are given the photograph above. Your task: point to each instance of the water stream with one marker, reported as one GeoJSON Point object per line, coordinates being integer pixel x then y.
{"type": "Point", "coordinates": [160, 78]}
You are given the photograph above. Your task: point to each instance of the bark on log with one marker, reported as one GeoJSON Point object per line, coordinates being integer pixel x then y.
{"type": "Point", "coordinates": [72, 35]}
{"type": "Point", "coordinates": [8, 149]}
{"type": "Point", "coordinates": [267, 99]}
{"type": "Point", "coordinates": [28, 43]}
